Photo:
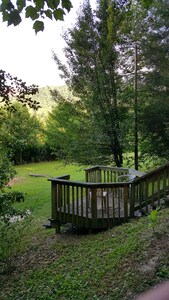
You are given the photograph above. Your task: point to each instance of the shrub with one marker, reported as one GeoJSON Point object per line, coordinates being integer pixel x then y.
{"type": "Point", "coordinates": [12, 240]}
{"type": "Point", "coordinates": [6, 204]}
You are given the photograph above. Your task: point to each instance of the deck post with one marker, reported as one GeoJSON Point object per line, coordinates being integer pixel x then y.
{"type": "Point", "coordinates": [55, 223]}
{"type": "Point", "coordinates": [126, 193]}
{"type": "Point", "coordinates": [94, 207]}
{"type": "Point", "coordinates": [132, 200]}
{"type": "Point", "coordinates": [54, 200]}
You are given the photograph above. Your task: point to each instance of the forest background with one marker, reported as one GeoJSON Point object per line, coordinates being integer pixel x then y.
{"type": "Point", "coordinates": [116, 100]}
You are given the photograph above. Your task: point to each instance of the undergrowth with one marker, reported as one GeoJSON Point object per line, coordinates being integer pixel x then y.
{"type": "Point", "coordinates": [117, 264]}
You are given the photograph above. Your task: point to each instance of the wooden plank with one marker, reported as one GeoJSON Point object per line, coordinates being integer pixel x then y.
{"type": "Point", "coordinates": [113, 199]}
{"type": "Point", "coordinates": [132, 199]}
{"type": "Point", "coordinates": [87, 204]}
{"type": "Point", "coordinates": [64, 201]}
{"type": "Point", "coordinates": [125, 197]}
{"type": "Point", "coordinates": [73, 205]}
{"type": "Point", "coordinates": [119, 207]}
{"type": "Point", "coordinates": [107, 206]}
{"type": "Point", "coordinates": [77, 206]}
{"type": "Point", "coordinates": [102, 205]}
{"type": "Point", "coordinates": [94, 207]}
{"type": "Point", "coordinates": [146, 192]}
{"type": "Point", "coordinates": [68, 198]}
{"type": "Point", "coordinates": [54, 201]}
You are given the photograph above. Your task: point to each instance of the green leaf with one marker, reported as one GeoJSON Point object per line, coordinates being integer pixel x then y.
{"type": "Point", "coordinates": [9, 6]}
{"type": "Point", "coordinates": [53, 3]}
{"type": "Point", "coordinates": [20, 4]}
{"type": "Point", "coordinates": [3, 5]}
{"type": "Point", "coordinates": [5, 16]}
{"type": "Point", "coordinates": [31, 13]}
{"type": "Point", "coordinates": [67, 4]}
{"type": "Point", "coordinates": [14, 18]}
{"type": "Point", "coordinates": [153, 215]}
{"type": "Point", "coordinates": [38, 26]}
{"type": "Point", "coordinates": [58, 14]}
{"type": "Point", "coordinates": [147, 3]}
{"type": "Point", "coordinates": [48, 13]}
{"type": "Point", "coordinates": [39, 4]}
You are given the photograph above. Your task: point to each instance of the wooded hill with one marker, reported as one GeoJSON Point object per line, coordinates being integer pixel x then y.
{"type": "Point", "coordinates": [46, 99]}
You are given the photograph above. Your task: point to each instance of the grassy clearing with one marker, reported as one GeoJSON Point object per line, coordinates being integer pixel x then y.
{"type": "Point", "coordinates": [38, 188]}
{"type": "Point", "coordinates": [115, 264]}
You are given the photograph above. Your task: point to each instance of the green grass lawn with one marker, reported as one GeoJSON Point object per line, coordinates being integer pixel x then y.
{"type": "Point", "coordinates": [38, 188]}
{"type": "Point", "coordinates": [116, 264]}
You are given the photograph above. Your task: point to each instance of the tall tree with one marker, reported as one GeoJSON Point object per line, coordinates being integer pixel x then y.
{"type": "Point", "coordinates": [100, 58]}
{"type": "Point", "coordinates": [71, 135]}
{"type": "Point", "coordinates": [93, 70]}
{"type": "Point", "coordinates": [155, 84]}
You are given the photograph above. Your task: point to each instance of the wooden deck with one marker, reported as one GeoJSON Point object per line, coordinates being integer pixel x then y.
{"type": "Point", "coordinates": [105, 209]}
{"type": "Point", "coordinates": [99, 202]}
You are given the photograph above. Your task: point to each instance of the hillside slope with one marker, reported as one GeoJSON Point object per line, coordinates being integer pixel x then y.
{"type": "Point", "coordinates": [47, 102]}
{"type": "Point", "coordinates": [117, 264]}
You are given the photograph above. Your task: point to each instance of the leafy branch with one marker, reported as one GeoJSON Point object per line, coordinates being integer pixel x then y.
{"type": "Point", "coordinates": [36, 10]}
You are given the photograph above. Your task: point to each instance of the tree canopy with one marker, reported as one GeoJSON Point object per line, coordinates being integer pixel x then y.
{"type": "Point", "coordinates": [37, 10]}
{"type": "Point", "coordinates": [100, 67]}
{"type": "Point", "coordinates": [92, 72]}
{"type": "Point", "coordinates": [20, 133]}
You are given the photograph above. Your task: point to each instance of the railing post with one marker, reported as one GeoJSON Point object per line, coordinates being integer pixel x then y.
{"type": "Point", "coordinates": [132, 200]}
{"type": "Point", "coordinates": [126, 193]}
{"type": "Point", "coordinates": [54, 200]}
{"type": "Point", "coordinates": [59, 200]}
{"type": "Point", "coordinates": [94, 207]}
{"type": "Point", "coordinates": [99, 177]}
{"type": "Point", "coordinates": [86, 176]}
{"type": "Point", "coordinates": [55, 223]}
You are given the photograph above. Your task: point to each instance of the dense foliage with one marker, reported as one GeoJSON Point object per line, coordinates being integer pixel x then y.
{"type": "Point", "coordinates": [101, 72]}
{"type": "Point", "coordinates": [71, 134]}
{"type": "Point", "coordinates": [36, 10]}
{"type": "Point", "coordinates": [155, 84]}
{"type": "Point", "coordinates": [7, 199]}
{"type": "Point", "coordinates": [7, 171]}
{"type": "Point", "coordinates": [94, 121]}
{"type": "Point", "coordinates": [20, 134]}
{"type": "Point", "coordinates": [92, 73]}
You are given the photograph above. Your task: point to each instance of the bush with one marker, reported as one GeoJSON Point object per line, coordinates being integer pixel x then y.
{"type": "Point", "coordinates": [12, 241]}
{"type": "Point", "coordinates": [6, 204]}
{"type": "Point", "coordinates": [7, 171]}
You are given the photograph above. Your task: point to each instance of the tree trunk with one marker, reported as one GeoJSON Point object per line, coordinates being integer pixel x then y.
{"type": "Point", "coordinates": [135, 111]}
{"type": "Point", "coordinates": [116, 150]}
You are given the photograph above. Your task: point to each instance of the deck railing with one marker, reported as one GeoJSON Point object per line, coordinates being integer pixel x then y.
{"type": "Point", "coordinates": [101, 203]}
{"type": "Point", "coordinates": [104, 174]}
{"type": "Point", "coordinates": [88, 205]}
{"type": "Point", "coordinates": [149, 189]}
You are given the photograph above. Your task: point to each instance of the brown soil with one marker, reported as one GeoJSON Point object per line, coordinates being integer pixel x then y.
{"type": "Point", "coordinates": [15, 180]}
